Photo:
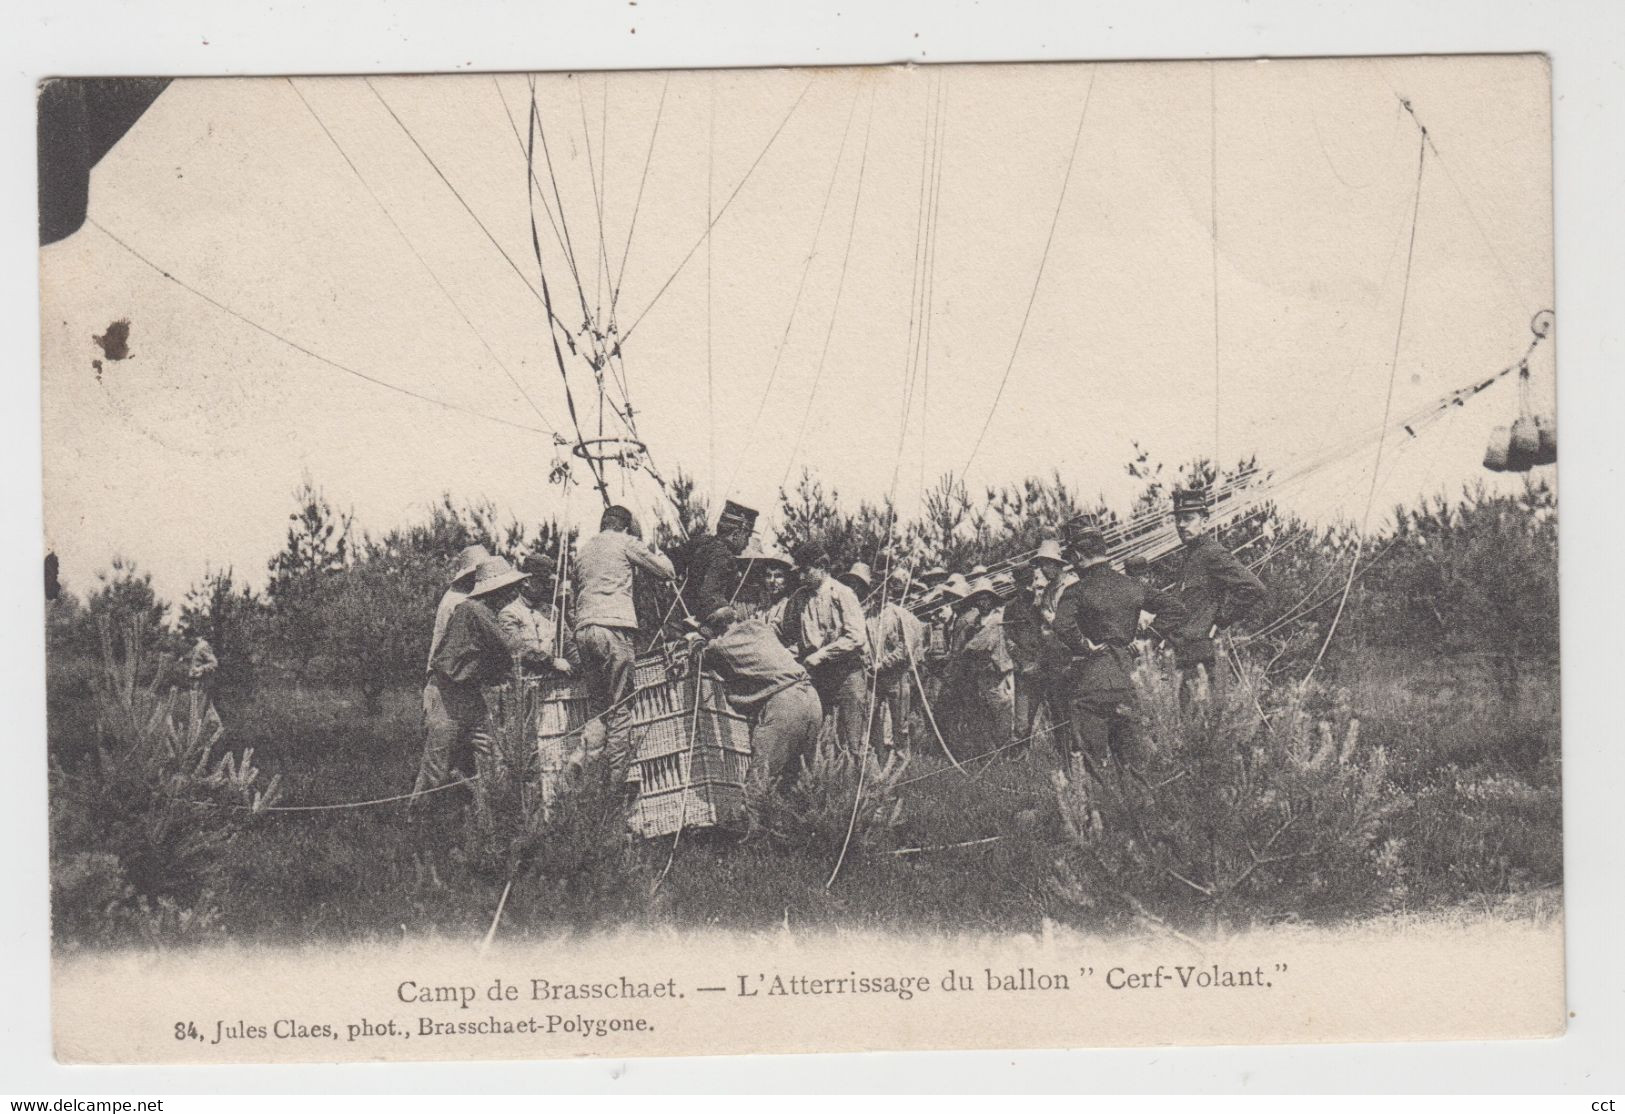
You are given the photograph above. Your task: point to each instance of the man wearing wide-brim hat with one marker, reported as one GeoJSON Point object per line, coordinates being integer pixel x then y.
{"type": "Point", "coordinates": [980, 672]}
{"type": "Point", "coordinates": [764, 579]}
{"type": "Point", "coordinates": [896, 648]}
{"type": "Point", "coordinates": [473, 652]}
{"type": "Point", "coordinates": [860, 578]}
{"type": "Point", "coordinates": [1214, 588]}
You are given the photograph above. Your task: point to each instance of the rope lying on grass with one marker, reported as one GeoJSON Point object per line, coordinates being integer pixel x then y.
{"type": "Point", "coordinates": [339, 805]}
{"type": "Point", "coordinates": [989, 754]}
{"type": "Point", "coordinates": [343, 805]}
{"type": "Point", "coordinates": [946, 846]}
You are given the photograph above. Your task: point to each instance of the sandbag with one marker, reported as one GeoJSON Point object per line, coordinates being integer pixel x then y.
{"type": "Point", "coordinates": [1498, 453]}
{"type": "Point", "coordinates": [1525, 437]}
{"type": "Point", "coordinates": [1547, 452]}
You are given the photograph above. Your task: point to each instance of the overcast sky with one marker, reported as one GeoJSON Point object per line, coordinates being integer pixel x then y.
{"type": "Point", "coordinates": [186, 454]}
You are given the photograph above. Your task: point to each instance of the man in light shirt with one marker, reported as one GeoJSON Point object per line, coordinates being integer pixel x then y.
{"type": "Point", "coordinates": [823, 626]}
{"type": "Point", "coordinates": [532, 619]}
{"type": "Point", "coordinates": [606, 625]}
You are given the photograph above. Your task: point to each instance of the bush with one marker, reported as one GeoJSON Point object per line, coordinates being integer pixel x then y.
{"type": "Point", "coordinates": [1241, 804]}
{"type": "Point", "coordinates": [566, 841]}
{"type": "Point", "coordinates": [143, 828]}
{"type": "Point", "coordinates": [835, 791]}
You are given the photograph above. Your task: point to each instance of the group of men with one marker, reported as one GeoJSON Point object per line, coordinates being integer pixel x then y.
{"type": "Point", "coordinates": [796, 643]}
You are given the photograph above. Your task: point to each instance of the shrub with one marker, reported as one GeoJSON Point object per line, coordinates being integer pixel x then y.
{"type": "Point", "coordinates": [835, 790]}
{"type": "Point", "coordinates": [566, 841]}
{"type": "Point", "coordinates": [1240, 803]}
{"type": "Point", "coordinates": [143, 828]}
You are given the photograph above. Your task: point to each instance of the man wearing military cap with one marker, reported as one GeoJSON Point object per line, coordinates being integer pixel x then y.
{"type": "Point", "coordinates": [712, 576]}
{"type": "Point", "coordinates": [1214, 588]}
{"type": "Point", "coordinates": [1096, 622]}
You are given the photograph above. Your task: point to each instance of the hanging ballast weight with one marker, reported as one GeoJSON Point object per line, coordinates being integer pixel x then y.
{"type": "Point", "coordinates": [1546, 452]}
{"type": "Point", "coordinates": [1525, 440]}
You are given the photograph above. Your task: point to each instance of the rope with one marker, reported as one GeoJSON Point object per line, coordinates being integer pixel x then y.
{"type": "Point", "coordinates": [1388, 402]}
{"type": "Point", "coordinates": [1033, 296]}
{"type": "Point", "coordinates": [945, 846]}
{"type": "Point", "coordinates": [930, 717]}
{"type": "Point", "coordinates": [539, 131]}
{"type": "Point", "coordinates": [667, 284]}
{"type": "Point", "coordinates": [795, 304]}
{"type": "Point", "coordinates": [1213, 211]}
{"type": "Point", "coordinates": [840, 285]}
{"type": "Point", "coordinates": [710, 386]}
{"type": "Point", "coordinates": [466, 206]}
{"type": "Point", "coordinates": [345, 805]}
{"type": "Point", "coordinates": [296, 346]}
{"type": "Point", "coordinates": [595, 467]}
{"type": "Point", "coordinates": [654, 132]}
{"type": "Point", "coordinates": [601, 260]}
{"type": "Point", "coordinates": [891, 524]}
{"type": "Point", "coordinates": [1506, 275]}
{"type": "Point", "coordinates": [416, 254]}
{"type": "Point", "coordinates": [491, 933]}
{"type": "Point", "coordinates": [518, 139]}
{"type": "Point", "coordinates": [693, 739]}
{"type": "Point", "coordinates": [1050, 730]}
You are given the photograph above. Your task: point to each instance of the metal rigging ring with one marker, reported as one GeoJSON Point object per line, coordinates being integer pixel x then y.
{"type": "Point", "coordinates": [1541, 324]}
{"type": "Point", "coordinates": [628, 452]}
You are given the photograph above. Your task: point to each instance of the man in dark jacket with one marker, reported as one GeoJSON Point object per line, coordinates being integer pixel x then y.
{"type": "Point", "coordinates": [1215, 588]}
{"type": "Point", "coordinates": [1028, 639]}
{"type": "Point", "coordinates": [1096, 620]}
{"type": "Point", "coordinates": [712, 578]}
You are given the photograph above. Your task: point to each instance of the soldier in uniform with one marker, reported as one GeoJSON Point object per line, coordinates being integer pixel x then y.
{"type": "Point", "coordinates": [1096, 621]}
{"type": "Point", "coordinates": [712, 577]}
{"type": "Point", "coordinates": [1214, 587]}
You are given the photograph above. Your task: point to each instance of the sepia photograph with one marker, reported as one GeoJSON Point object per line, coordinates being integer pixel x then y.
{"type": "Point", "coordinates": [687, 562]}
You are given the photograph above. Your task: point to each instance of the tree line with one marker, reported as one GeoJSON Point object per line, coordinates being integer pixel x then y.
{"type": "Point", "coordinates": [1469, 576]}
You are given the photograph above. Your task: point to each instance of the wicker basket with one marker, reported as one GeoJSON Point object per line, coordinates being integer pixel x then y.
{"type": "Point", "coordinates": [691, 763]}
{"type": "Point", "coordinates": [691, 751]}
{"type": "Point", "coordinates": [555, 710]}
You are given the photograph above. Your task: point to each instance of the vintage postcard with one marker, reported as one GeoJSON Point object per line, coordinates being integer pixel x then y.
{"type": "Point", "coordinates": [710, 562]}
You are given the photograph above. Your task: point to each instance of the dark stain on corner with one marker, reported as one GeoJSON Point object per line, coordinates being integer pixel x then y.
{"type": "Point", "coordinates": [114, 343]}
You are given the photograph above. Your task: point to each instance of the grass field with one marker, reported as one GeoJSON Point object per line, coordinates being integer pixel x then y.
{"type": "Point", "coordinates": [1475, 786]}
